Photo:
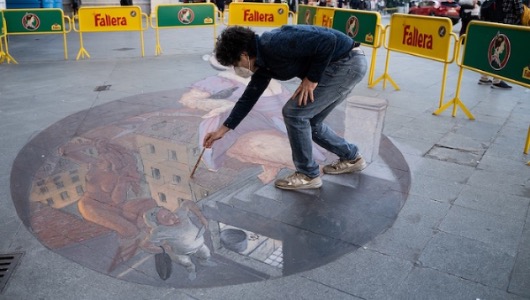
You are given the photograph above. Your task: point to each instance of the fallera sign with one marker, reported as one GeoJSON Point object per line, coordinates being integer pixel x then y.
{"type": "Point", "coordinates": [421, 35]}
{"type": "Point", "coordinates": [258, 14]}
{"type": "Point", "coordinates": [114, 18]}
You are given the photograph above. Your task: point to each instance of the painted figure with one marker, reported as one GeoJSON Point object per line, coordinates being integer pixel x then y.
{"type": "Point", "coordinates": [178, 235]}
{"type": "Point", "coordinates": [113, 183]}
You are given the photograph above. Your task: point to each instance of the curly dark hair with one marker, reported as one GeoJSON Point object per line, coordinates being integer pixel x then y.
{"type": "Point", "coordinates": [233, 41]}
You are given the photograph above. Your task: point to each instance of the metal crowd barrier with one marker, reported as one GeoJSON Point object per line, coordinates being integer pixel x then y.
{"type": "Point", "coordinates": [493, 49]}
{"type": "Point", "coordinates": [4, 49]}
{"type": "Point", "coordinates": [183, 16]}
{"type": "Point", "coordinates": [109, 19]}
{"type": "Point", "coordinates": [421, 36]}
{"type": "Point", "coordinates": [496, 50]}
{"type": "Point", "coordinates": [362, 26]}
{"type": "Point", "coordinates": [36, 21]}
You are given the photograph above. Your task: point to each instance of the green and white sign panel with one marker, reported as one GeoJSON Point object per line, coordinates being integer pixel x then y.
{"type": "Point", "coordinates": [499, 50]}
{"type": "Point", "coordinates": [178, 15]}
{"type": "Point", "coordinates": [34, 21]}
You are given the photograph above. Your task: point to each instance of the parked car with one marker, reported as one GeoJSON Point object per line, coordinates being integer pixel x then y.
{"type": "Point", "coordinates": [448, 9]}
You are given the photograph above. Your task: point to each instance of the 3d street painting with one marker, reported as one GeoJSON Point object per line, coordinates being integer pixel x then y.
{"type": "Point", "coordinates": [110, 188]}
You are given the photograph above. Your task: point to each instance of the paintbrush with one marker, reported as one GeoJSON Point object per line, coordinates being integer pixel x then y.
{"type": "Point", "coordinates": [197, 164]}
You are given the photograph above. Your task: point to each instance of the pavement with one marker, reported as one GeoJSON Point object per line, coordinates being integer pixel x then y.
{"type": "Point", "coordinates": [455, 226]}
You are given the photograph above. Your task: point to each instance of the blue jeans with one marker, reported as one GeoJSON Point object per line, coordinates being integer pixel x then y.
{"type": "Point", "coordinates": [305, 123]}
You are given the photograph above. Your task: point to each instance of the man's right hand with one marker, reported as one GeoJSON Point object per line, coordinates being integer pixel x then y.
{"type": "Point", "coordinates": [214, 136]}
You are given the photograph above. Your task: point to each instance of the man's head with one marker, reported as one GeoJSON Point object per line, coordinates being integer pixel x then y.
{"type": "Point", "coordinates": [234, 42]}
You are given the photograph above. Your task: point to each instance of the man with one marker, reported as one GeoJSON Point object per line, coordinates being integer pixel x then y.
{"type": "Point", "coordinates": [329, 63]}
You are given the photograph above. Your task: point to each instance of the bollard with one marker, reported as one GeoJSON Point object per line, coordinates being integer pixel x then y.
{"type": "Point", "coordinates": [364, 124]}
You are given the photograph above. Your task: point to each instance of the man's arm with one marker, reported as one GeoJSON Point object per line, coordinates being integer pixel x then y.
{"type": "Point", "coordinates": [243, 106]}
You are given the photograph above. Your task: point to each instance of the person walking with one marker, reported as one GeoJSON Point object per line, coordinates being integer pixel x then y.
{"type": "Point", "coordinates": [469, 10]}
{"type": "Point", "coordinates": [220, 5]}
{"type": "Point", "coordinates": [329, 64]}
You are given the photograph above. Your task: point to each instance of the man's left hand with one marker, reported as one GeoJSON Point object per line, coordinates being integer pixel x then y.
{"type": "Point", "coordinates": [304, 92]}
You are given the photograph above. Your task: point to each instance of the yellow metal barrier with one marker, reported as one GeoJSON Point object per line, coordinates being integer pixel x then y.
{"type": "Point", "coordinates": [36, 21]}
{"type": "Point", "coordinates": [183, 16]}
{"type": "Point", "coordinates": [109, 19]}
{"type": "Point", "coordinates": [527, 145]}
{"type": "Point", "coordinates": [324, 16]}
{"type": "Point", "coordinates": [362, 26]}
{"type": "Point", "coordinates": [494, 49]}
{"type": "Point", "coordinates": [258, 14]}
{"type": "Point", "coordinates": [4, 54]}
{"type": "Point", "coordinates": [422, 36]}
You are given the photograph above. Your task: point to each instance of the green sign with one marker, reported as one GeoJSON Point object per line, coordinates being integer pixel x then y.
{"type": "Point", "coordinates": [186, 15]}
{"type": "Point", "coordinates": [499, 50]}
{"type": "Point", "coordinates": [19, 21]}
{"type": "Point", "coordinates": [306, 15]}
{"type": "Point", "coordinates": [361, 26]}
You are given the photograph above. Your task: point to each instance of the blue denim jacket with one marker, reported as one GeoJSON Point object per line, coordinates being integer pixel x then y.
{"type": "Point", "coordinates": [287, 52]}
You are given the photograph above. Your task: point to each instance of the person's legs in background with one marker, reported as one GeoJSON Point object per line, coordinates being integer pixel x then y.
{"type": "Point", "coordinates": [499, 84]}
{"type": "Point", "coordinates": [496, 83]}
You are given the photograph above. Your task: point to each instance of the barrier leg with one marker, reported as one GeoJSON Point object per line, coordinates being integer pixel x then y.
{"type": "Point", "coordinates": [527, 145]}
{"type": "Point", "coordinates": [444, 79]}
{"type": "Point", "coordinates": [385, 76]}
{"type": "Point", "coordinates": [456, 102]}
{"type": "Point", "coordinates": [65, 47]}
{"type": "Point", "coordinates": [158, 48]}
{"type": "Point", "coordinates": [82, 52]}
{"type": "Point", "coordinates": [5, 55]}
{"type": "Point", "coordinates": [142, 42]}
{"type": "Point", "coordinates": [372, 67]}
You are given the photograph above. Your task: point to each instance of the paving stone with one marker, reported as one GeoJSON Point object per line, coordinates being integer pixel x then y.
{"type": "Point", "coordinates": [403, 240]}
{"type": "Point", "coordinates": [505, 205]}
{"type": "Point", "coordinates": [296, 287]}
{"type": "Point", "coordinates": [520, 277]}
{"type": "Point", "coordinates": [478, 130]}
{"type": "Point", "coordinates": [501, 233]}
{"type": "Point", "coordinates": [509, 184]}
{"type": "Point", "coordinates": [422, 211]}
{"type": "Point", "coordinates": [414, 134]}
{"type": "Point", "coordinates": [443, 170]}
{"type": "Point", "coordinates": [414, 147]}
{"type": "Point", "coordinates": [464, 143]}
{"type": "Point", "coordinates": [455, 155]}
{"type": "Point", "coordinates": [364, 273]}
{"type": "Point", "coordinates": [502, 165]}
{"type": "Point", "coordinates": [426, 283]}
{"type": "Point", "coordinates": [435, 188]}
{"type": "Point", "coordinates": [468, 259]}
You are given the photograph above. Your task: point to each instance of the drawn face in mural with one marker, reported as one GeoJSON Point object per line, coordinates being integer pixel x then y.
{"type": "Point", "coordinates": [166, 217]}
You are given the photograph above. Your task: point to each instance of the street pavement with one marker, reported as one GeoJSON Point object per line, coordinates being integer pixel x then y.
{"type": "Point", "coordinates": [462, 233]}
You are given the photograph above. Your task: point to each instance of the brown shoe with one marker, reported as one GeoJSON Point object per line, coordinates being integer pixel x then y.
{"type": "Point", "coordinates": [298, 181]}
{"type": "Point", "coordinates": [346, 166]}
